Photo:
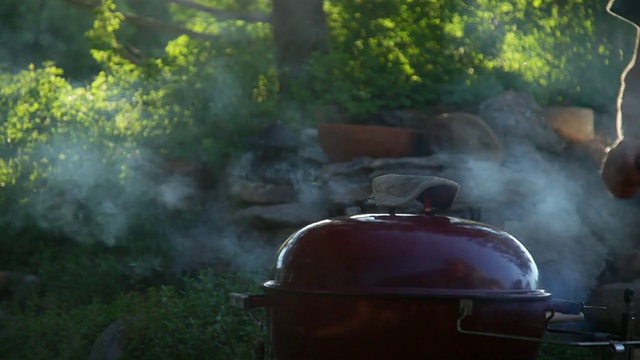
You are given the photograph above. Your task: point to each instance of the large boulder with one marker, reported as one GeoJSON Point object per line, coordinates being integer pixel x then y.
{"type": "Point", "coordinates": [256, 192]}
{"type": "Point", "coordinates": [310, 147]}
{"type": "Point", "coordinates": [110, 344]}
{"type": "Point", "coordinates": [462, 133]}
{"type": "Point", "coordinates": [518, 121]}
{"type": "Point", "coordinates": [426, 165]}
{"type": "Point", "coordinates": [347, 190]}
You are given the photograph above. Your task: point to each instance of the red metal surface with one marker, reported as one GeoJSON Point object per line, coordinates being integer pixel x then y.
{"type": "Point", "coordinates": [404, 254]}
{"type": "Point", "coordinates": [388, 287]}
{"type": "Point", "coordinates": [313, 326]}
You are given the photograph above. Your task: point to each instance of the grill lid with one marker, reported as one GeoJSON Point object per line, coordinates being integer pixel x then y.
{"type": "Point", "coordinates": [404, 255]}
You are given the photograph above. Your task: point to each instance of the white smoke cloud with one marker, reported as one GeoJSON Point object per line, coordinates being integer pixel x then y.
{"type": "Point", "coordinates": [87, 194]}
{"type": "Point", "coordinates": [558, 208]}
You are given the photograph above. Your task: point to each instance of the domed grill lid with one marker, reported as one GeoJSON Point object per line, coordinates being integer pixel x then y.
{"type": "Point", "coordinates": [405, 255]}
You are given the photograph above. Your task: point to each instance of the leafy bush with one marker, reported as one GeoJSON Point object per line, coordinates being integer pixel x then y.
{"type": "Point", "coordinates": [33, 31]}
{"type": "Point", "coordinates": [192, 322]}
{"type": "Point", "coordinates": [84, 160]}
{"type": "Point", "coordinates": [196, 101]}
{"type": "Point", "coordinates": [392, 54]}
{"type": "Point", "coordinates": [564, 352]}
{"type": "Point", "coordinates": [196, 323]}
{"type": "Point", "coordinates": [53, 333]}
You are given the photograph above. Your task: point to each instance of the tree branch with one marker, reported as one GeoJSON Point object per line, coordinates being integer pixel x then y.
{"type": "Point", "coordinates": [149, 23]}
{"type": "Point", "coordinates": [224, 14]}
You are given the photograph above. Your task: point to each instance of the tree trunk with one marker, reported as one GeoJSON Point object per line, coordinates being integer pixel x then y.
{"type": "Point", "coordinates": [299, 29]}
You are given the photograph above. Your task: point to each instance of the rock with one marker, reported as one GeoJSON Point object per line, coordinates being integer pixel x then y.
{"type": "Point", "coordinates": [463, 134]}
{"type": "Point", "coordinates": [429, 165]}
{"type": "Point", "coordinates": [347, 190]}
{"type": "Point", "coordinates": [262, 193]}
{"type": "Point", "coordinates": [612, 220]}
{"type": "Point", "coordinates": [292, 214]}
{"type": "Point", "coordinates": [110, 344]}
{"type": "Point", "coordinates": [409, 171]}
{"type": "Point", "coordinates": [489, 185]}
{"type": "Point", "coordinates": [437, 161]}
{"type": "Point", "coordinates": [243, 168]}
{"type": "Point", "coordinates": [287, 170]}
{"type": "Point", "coordinates": [310, 147]}
{"type": "Point", "coordinates": [349, 167]}
{"type": "Point", "coordinates": [517, 120]}
{"type": "Point", "coordinates": [593, 151]}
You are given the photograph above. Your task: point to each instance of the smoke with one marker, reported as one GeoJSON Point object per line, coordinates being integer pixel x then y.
{"type": "Point", "coordinates": [557, 207]}
{"type": "Point", "coordinates": [176, 191]}
{"type": "Point", "coordinates": [87, 193]}
{"type": "Point", "coordinates": [92, 195]}
{"type": "Point", "coordinates": [227, 246]}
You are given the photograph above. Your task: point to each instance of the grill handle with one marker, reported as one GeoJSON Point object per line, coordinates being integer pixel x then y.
{"type": "Point", "coordinates": [567, 307]}
{"type": "Point", "coordinates": [248, 302]}
{"type": "Point", "coordinates": [466, 309]}
{"type": "Point", "coordinates": [565, 311]}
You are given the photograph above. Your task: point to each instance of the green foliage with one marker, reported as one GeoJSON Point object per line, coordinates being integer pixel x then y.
{"type": "Point", "coordinates": [34, 31]}
{"type": "Point", "coordinates": [192, 322]}
{"type": "Point", "coordinates": [61, 144]}
{"type": "Point", "coordinates": [390, 54]}
{"type": "Point", "coordinates": [54, 333]}
{"type": "Point", "coordinates": [564, 352]}
{"type": "Point", "coordinates": [203, 97]}
{"type": "Point", "coordinates": [72, 274]}
{"type": "Point", "coordinates": [196, 101]}
{"type": "Point", "coordinates": [195, 323]}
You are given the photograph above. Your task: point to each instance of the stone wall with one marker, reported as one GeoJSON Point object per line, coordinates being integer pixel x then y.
{"type": "Point", "coordinates": [544, 189]}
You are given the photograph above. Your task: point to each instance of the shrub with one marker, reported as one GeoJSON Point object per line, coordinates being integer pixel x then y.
{"type": "Point", "coordinates": [191, 322]}
{"type": "Point", "coordinates": [393, 54]}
